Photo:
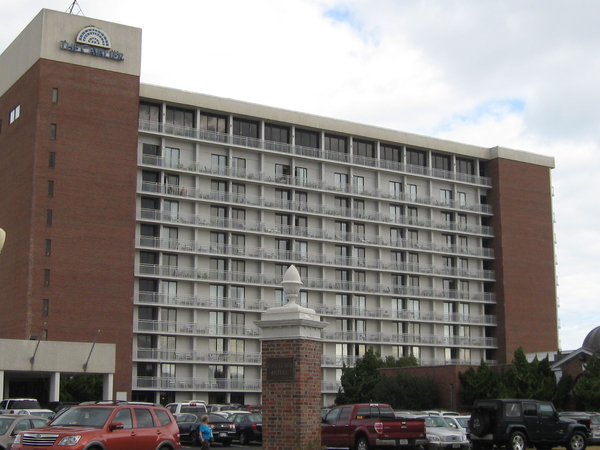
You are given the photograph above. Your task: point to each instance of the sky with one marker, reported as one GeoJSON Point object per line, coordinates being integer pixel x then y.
{"type": "Point", "coordinates": [520, 74]}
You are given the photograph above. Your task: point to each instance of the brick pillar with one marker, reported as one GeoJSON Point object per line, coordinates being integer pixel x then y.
{"type": "Point", "coordinates": [291, 378]}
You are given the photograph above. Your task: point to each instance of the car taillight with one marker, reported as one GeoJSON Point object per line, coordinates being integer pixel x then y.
{"type": "Point", "coordinates": [231, 426]}
{"type": "Point", "coordinates": [379, 427]}
{"type": "Point", "coordinates": [253, 426]}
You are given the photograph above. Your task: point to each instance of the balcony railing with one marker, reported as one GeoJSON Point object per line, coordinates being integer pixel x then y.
{"type": "Point", "coordinates": [412, 339]}
{"type": "Point", "coordinates": [312, 283]}
{"type": "Point", "coordinates": [194, 356]}
{"type": "Point", "coordinates": [211, 136]}
{"type": "Point", "coordinates": [316, 208]}
{"type": "Point", "coordinates": [311, 233]}
{"type": "Point", "coordinates": [193, 384]}
{"type": "Point", "coordinates": [201, 329]}
{"type": "Point", "coordinates": [305, 183]}
{"type": "Point", "coordinates": [308, 257]}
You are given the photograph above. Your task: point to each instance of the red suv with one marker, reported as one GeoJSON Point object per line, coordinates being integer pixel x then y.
{"type": "Point", "coordinates": [105, 425]}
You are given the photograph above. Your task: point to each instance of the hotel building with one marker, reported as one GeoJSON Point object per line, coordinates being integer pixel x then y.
{"type": "Point", "coordinates": [162, 221]}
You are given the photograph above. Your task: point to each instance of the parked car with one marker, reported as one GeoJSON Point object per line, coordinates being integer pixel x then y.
{"type": "Point", "coordinates": [248, 426]}
{"type": "Point", "coordinates": [11, 424]}
{"type": "Point", "coordinates": [223, 429]}
{"type": "Point", "coordinates": [45, 413]}
{"type": "Point", "coordinates": [519, 423]}
{"type": "Point", "coordinates": [57, 406]}
{"type": "Point", "coordinates": [459, 423]}
{"type": "Point", "coordinates": [14, 405]}
{"type": "Point", "coordinates": [594, 438]}
{"type": "Point", "coordinates": [441, 436]}
{"type": "Point", "coordinates": [126, 425]}
{"type": "Point", "coordinates": [192, 407]}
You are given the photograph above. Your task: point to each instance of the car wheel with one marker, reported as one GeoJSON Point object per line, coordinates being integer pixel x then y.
{"type": "Point", "coordinates": [362, 444]}
{"type": "Point", "coordinates": [577, 441]}
{"type": "Point", "coordinates": [244, 439]}
{"type": "Point", "coordinates": [480, 423]}
{"type": "Point", "coordinates": [518, 441]}
{"type": "Point", "coordinates": [194, 440]}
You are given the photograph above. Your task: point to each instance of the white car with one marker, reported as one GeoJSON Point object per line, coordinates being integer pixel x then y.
{"type": "Point", "coordinates": [442, 437]}
{"type": "Point", "coordinates": [45, 413]}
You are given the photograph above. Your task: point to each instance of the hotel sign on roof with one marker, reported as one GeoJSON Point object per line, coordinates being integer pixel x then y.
{"type": "Point", "coordinates": [94, 42]}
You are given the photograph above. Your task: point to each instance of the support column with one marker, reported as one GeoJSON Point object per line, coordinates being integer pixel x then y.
{"type": "Point", "coordinates": [107, 387]}
{"type": "Point", "coordinates": [54, 388]}
{"type": "Point", "coordinates": [291, 377]}
{"type": "Point", "coordinates": [2, 385]}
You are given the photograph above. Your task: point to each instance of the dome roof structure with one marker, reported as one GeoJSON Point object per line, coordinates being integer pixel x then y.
{"type": "Point", "coordinates": [592, 340]}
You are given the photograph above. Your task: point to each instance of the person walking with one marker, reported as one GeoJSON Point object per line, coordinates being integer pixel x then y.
{"type": "Point", "coordinates": [206, 435]}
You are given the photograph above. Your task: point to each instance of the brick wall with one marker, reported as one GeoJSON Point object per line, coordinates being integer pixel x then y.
{"type": "Point", "coordinates": [291, 410]}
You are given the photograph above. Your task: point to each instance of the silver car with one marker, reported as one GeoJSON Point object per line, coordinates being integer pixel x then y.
{"type": "Point", "coordinates": [443, 437]}
{"type": "Point", "coordinates": [11, 424]}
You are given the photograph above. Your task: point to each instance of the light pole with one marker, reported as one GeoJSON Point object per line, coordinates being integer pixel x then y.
{"type": "Point", "coordinates": [291, 284]}
{"type": "Point", "coordinates": [2, 238]}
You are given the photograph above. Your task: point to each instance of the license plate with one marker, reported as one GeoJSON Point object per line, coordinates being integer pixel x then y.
{"type": "Point", "coordinates": [455, 445]}
{"type": "Point", "coordinates": [403, 441]}
{"type": "Point", "coordinates": [222, 434]}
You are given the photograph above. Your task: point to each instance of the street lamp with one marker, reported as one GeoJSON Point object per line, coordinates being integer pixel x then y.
{"type": "Point", "coordinates": [2, 238]}
{"type": "Point", "coordinates": [291, 284]}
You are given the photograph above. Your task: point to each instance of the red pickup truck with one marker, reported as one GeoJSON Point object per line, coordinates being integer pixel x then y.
{"type": "Point", "coordinates": [366, 426]}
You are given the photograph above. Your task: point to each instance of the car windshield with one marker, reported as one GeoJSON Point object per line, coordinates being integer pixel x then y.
{"type": "Point", "coordinates": [433, 421]}
{"type": "Point", "coordinates": [83, 417]}
{"type": "Point", "coordinates": [5, 425]}
{"type": "Point", "coordinates": [463, 421]}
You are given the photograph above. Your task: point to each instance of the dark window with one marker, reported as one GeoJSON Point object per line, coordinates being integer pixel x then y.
{"type": "Point", "coordinates": [48, 247]}
{"type": "Point", "coordinates": [416, 157]}
{"type": "Point", "coordinates": [465, 166]}
{"type": "Point", "coordinates": [147, 285]}
{"type": "Point", "coordinates": [307, 138]}
{"type": "Point", "coordinates": [54, 95]}
{"type": "Point", "coordinates": [45, 306]}
{"type": "Point", "coordinates": [212, 122]}
{"type": "Point", "coordinates": [49, 217]}
{"type": "Point", "coordinates": [180, 117]}
{"type": "Point", "coordinates": [390, 153]}
{"type": "Point", "coordinates": [244, 127]}
{"type": "Point", "coordinates": [441, 162]}
{"type": "Point", "coordinates": [336, 143]}
{"type": "Point", "coordinates": [52, 159]}
{"type": "Point", "coordinates": [50, 188]}
{"type": "Point", "coordinates": [148, 258]}
{"type": "Point", "coordinates": [52, 131]}
{"type": "Point", "coordinates": [143, 418]}
{"type": "Point", "coordinates": [163, 417]}
{"type": "Point", "coordinates": [149, 203]}
{"type": "Point", "coordinates": [364, 148]}
{"type": "Point", "coordinates": [150, 112]}
{"type": "Point", "coordinates": [151, 149]}
{"type": "Point", "coordinates": [277, 133]}
{"type": "Point", "coordinates": [47, 277]}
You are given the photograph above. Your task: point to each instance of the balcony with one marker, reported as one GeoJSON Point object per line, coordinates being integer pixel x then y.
{"type": "Point", "coordinates": [193, 384]}
{"type": "Point", "coordinates": [310, 233]}
{"type": "Point", "coordinates": [196, 329]}
{"type": "Point", "coordinates": [241, 141]}
{"type": "Point", "coordinates": [409, 339]}
{"type": "Point", "coordinates": [308, 257]}
{"type": "Point", "coordinates": [316, 208]}
{"type": "Point", "coordinates": [310, 283]}
{"type": "Point", "coordinates": [193, 356]}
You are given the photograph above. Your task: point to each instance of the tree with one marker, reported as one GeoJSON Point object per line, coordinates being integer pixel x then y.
{"type": "Point", "coordinates": [479, 384]}
{"type": "Point", "coordinates": [587, 388]}
{"type": "Point", "coordinates": [404, 391]}
{"type": "Point", "coordinates": [81, 388]}
{"type": "Point", "coordinates": [359, 382]}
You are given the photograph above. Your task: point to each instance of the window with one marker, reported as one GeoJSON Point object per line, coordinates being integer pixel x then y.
{"type": "Point", "coordinates": [50, 188]}
{"type": "Point", "coordinates": [358, 183]}
{"type": "Point", "coordinates": [213, 122]}
{"type": "Point", "coordinates": [364, 148]}
{"type": "Point", "coordinates": [306, 138]}
{"type": "Point", "coordinates": [395, 188]}
{"type": "Point", "coordinates": [336, 143]}
{"type": "Point", "coordinates": [48, 217]}
{"type": "Point", "coordinates": [396, 236]}
{"type": "Point", "coordinates": [412, 192]}
{"type": "Point", "coordinates": [462, 219]}
{"type": "Point", "coordinates": [342, 204]}
{"type": "Point", "coordinates": [239, 191]}
{"type": "Point", "coordinates": [390, 153]}
{"type": "Point", "coordinates": [46, 277]}
{"type": "Point", "coordinates": [143, 416]}
{"type": "Point", "coordinates": [52, 160]}
{"type": "Point", "coordinates": [238, 166]}
{"type": "Point", "coordinates": [341, 180]}
{"type": "Point", "coordinates": [441, 162]}
{"type": "Point", "coordinates": [149, 112]}
{"type": "Point", "coordinates": [445, 196]}
{"type": "Point", "coordinates": [53, 131]}
{"type": "Point", "coordinates": [180, 117]}
{"type": "Point", "coordinates": [396, 213]}
{"type": "Point", "coordinates": [151, 153]}
{"type": "Point", "coordinates": [283, 195]}
{"type": "Point", "coordinates": [172, 156]}
{"type": "Point", "coordinates": [301, 176]}
{"type": "Point", "coordinates": [45, 306]}
{"type": "Point", "coordinates": [48, 247]}
{"type": "Point", "coordinates": [462, 199]}
{"type": "Point", "coordinates": [54, 95]}
{"type": "Point", "coordinates": [14, 114]}
{"type": "Point", "coordinates": [446, 217]}
{"type": "Point", "coordinates": [416, 157]}
{"type": "Point", "coordinates": [466, 166]}
{"type": "Point", "coordinates": [218, 164]}
{"type": "Point", "coordinates": [244, 127]}
{"type": "Point", "coordinates": [277, 133]}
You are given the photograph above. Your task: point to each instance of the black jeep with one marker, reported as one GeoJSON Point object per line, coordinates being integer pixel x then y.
{"type": "Point", "coordinates": [517, 424]}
